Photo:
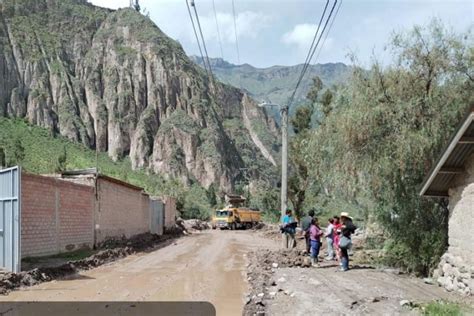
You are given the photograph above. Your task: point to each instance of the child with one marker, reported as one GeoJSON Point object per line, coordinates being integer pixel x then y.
{"type": "Point", "coordinates": [330, 239]}
{"type": "Point", "coordinates": [315, 234]}
{"type": "Point", "coordinates": [337, 235]}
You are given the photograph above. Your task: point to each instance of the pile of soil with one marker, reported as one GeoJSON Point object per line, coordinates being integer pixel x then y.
{"type": "Point", "coordinates": [271, 231]}
{"type": "Point", "coordinates": [111, 251]}
{"type": "Point", "coordinates": [283, 258]}
{"type": "Point", "coordinates": [195, 224]}
{"type": "Point", "coordinates": [192, 225]}
{"type": "Point", "coordinates": [260, 271]}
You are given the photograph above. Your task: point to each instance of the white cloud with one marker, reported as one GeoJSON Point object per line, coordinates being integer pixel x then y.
{"type": "Point", "coordinates": [301, 35]}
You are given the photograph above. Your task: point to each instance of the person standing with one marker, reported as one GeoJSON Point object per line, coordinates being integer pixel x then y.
{"type": "Point", "coordinates": [288, 229]}
{"type": "Point", "coordinates": [329, 234]}
{"type": "Point", "coordinates": [337, 236]}
{"type": "Point", "coordinates": [315, 234]}
{"type": "Point", "coordinates": [347, 229]}
{"type": "Point", "coordinates": [305, 226]}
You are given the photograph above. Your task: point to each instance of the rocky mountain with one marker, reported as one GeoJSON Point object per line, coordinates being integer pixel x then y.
{"type": "Point", "coordinates": [275, 84]}
{"type": "Point", "coordinates": [112, 80]}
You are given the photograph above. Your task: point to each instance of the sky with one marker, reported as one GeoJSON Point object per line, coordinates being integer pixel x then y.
{"type": "Point", "coordinates": [279, 32]}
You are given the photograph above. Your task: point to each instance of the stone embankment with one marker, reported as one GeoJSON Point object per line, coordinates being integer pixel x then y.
{"type": "Point", "coordinates": [455, 275]}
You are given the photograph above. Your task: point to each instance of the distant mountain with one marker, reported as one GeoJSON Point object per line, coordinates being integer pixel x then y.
{"type": "Point", "coordinates": [275, 83]}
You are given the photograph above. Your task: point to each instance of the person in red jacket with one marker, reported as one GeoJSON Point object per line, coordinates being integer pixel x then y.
{"type": "Point", "coordinates": [337, 236]}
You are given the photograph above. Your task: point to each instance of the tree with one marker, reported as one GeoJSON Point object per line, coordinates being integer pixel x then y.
{"type": "Point", "coordinates": [326, 100]}
{"type": "Point", "coordinates": [298, 180]}
{"type": "Point", "coordinates": [196, 204]}
{"type": "Point", "coordinates": [302, 119]}
{"type": "Point", "coordinates": [61, 161]}
{"type": "Point", "coordinates": [315, 90]}
{"type": "Point", "coordinates": [385, 129]}
{"type": "Point", "coordinates": [16, 153]}
{"type": "Point", "coordinates": [212, 195]}
{"type": "Point", "coordinates": [266, 198]}
{"type": "Point", "coordinates": [3, 161]}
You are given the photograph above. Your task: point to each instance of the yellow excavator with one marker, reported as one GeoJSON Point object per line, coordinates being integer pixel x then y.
{"type": "Point", "coordinates": [235, 216]}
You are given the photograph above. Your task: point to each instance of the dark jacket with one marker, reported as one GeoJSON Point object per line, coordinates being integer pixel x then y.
{"type": "Point", "coordinates": [306, 223]}
{"type": "Point", "coordinates": [348, 228]}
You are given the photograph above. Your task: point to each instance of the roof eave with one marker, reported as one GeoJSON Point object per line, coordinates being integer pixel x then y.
{"type": "Point", "coordinates": [446, 153]}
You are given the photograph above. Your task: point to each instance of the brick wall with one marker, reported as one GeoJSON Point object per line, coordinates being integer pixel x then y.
{"type": "Point", "coordinates": [120, 211]}
{"type": "Point", "coordinates": [56, 215]}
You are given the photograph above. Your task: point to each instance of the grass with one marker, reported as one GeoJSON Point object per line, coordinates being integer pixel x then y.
{"type": "Point", "coordinates": [42, 153]}
{"type": "Point", "coordinates": [443, 308]}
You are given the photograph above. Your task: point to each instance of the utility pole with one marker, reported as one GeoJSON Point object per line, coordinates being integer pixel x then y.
{"type": "Point", "coordinates": [284, 155]}
{"type": "Point", "coordinates": [284, 159]}
{"type": "Point", "coordinates": [135, 5]}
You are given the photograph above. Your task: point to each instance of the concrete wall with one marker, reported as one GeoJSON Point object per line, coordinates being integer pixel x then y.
{"type": "Point", "coordinates": [56, 216]}
{"type": "Point", "coordinates": [170, 212]}
{"type": "Point", "coordinates": [120, 211]}
{"type": "Point", "coordinates": [456, 269]}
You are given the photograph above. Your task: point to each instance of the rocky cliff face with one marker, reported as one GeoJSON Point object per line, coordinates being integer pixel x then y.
{"type": "Point", "coordinates": [113, 81]}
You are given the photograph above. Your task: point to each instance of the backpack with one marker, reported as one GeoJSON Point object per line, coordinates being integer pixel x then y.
{"type": "Point", "coordinates": [345, 242]}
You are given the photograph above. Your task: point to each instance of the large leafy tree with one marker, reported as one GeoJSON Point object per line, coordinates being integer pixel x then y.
{"type": "Point", "coordinates": [300, 181]}
{"type": "Point", "coordinates": [385, 128]}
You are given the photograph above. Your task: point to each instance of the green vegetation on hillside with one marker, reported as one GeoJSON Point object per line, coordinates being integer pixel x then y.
{"type": "Point", "coordinates": [42, 154]}
{"type": "Point", "coordinates": [33, 24]}
{"type": "Point", "coordinates": [38, 152]}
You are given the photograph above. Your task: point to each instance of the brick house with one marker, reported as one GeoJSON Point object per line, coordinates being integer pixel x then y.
{"type": "Point", "coordinates": [452, 179]}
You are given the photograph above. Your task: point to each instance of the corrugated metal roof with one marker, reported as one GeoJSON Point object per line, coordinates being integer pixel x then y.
{"type": "Point", "coordinates": [452, 159]}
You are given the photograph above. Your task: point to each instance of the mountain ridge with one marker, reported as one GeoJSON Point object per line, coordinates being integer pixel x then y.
{"type": "Point", "coordinates": [276, 83]}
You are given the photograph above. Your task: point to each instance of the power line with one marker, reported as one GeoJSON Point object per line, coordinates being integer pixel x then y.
{"type": "Point", "coordinates": [202, 37]}
{"type": "Point", "coordinates": [235, 32]}
{"type": "Point", "coordinates": [312, 54]}
{"type": "Point", "coordinates": [306, 61]}
{"type": "Point", "coordinates": [217, 27]}
{"type": "Point", "coordinates": [329, 30]}
{"type": "Point", "coordinates": [196, 35]}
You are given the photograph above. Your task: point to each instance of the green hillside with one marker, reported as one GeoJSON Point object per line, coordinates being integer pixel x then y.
{"type": "Point", "coordinates": [38, 152]}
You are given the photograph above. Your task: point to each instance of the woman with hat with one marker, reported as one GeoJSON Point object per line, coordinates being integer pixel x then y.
{"type": "Point", "coordinates": [347, 229]}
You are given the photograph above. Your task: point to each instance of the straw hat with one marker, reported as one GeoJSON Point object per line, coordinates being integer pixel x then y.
{"type": "Point", "coordinates": [345, 214]}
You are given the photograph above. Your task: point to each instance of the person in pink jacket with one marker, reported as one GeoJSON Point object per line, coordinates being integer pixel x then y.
{"type": "Point", "coordinates": [315, 234]}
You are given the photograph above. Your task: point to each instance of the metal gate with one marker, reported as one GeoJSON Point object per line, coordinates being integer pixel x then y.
{"type": "Point", "coordinates": [10, 192]}
{"type": "Point", "coordinates": [157, 216]}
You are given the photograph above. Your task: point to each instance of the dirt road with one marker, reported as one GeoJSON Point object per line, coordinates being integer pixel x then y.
{"type": "Point", "coordinates": [209, 266]}
{"type": "Point", "coordinates": [282, 286]}
{"type": "Point", "coordinates": [323, 291]}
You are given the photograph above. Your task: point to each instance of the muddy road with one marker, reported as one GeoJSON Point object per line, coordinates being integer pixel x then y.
{"type": "Point", "coordinates": [209, 266]}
